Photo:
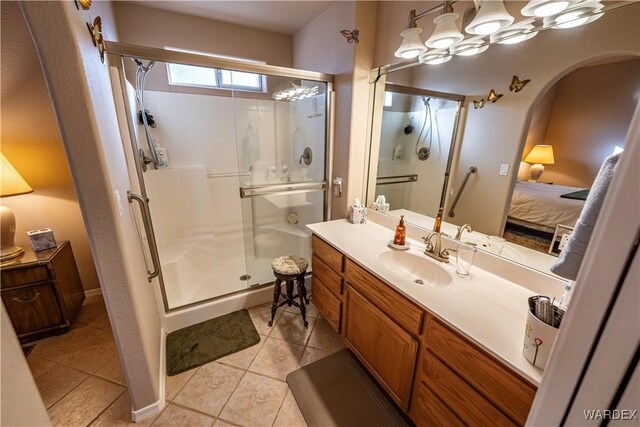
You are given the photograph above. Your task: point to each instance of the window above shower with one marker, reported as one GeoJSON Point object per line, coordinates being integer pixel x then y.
{"type": "Point", "coordinates": [189, 75]}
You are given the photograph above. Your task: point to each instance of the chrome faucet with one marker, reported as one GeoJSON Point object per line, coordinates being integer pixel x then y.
{"type": "Point", "coordinates": [461, 229]}
{"type": "Point", "coordinates": [434, 247]}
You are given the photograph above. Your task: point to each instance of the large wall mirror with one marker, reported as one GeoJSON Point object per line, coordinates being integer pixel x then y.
{"type": "Point", "coordinates": [437, 139]}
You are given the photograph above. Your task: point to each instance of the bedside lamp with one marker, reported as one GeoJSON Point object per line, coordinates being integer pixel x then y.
{"type": "Point", "coordinates": [11, 184]}
{"type": "Point", "coordinates": [540, 155]}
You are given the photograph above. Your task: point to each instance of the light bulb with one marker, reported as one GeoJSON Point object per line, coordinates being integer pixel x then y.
{"type": "Point", "coordinates": [410, 54]}
{"type": "Point", "coordinates": [487, 28]}
{"type": "Point", "coordinates": [550, 8]}
{"type": "Point", "coordinates": [443, 43]}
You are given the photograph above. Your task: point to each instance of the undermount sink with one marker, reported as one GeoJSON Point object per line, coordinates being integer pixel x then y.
{"type": "Point", "coordinates": [415, 268]}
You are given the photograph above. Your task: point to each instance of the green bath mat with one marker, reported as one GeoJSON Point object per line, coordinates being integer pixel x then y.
{"type": "Point", "coordinates": [195, 345]}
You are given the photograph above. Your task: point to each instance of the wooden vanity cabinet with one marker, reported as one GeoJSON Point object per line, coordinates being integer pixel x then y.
{"type": "Point", "coordinates": [472, 384]}
{"type": "Point", "coordinates": [327, 282]}
{"type": "Point", "coordinates": [382, 346]}
{"type": "Point", "coordinates": [433, 373]}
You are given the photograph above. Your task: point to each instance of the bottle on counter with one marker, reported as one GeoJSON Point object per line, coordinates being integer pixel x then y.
{"type": "Point", "coordinates": [401, 233]}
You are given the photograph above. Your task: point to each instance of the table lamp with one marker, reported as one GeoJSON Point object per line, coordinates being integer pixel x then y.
{"type": "Point", "coordinates": [540, 155]}
{"type": "Point", "coordinates": [11, 184]}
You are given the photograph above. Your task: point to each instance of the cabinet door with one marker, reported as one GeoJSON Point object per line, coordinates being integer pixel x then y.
{"type": "Point", "coordinates": [33, 308]}
{"type": "Point", "coordinates": [386, 349]}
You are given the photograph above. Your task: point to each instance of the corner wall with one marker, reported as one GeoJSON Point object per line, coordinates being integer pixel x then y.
{"type": "Point", "coordinates": [83, 100]}
{"type": "Point", "coordinates": [319, 46]}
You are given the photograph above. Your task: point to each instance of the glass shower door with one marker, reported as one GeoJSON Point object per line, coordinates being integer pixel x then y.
{"type": "Point", "coordinates": [281, 140]}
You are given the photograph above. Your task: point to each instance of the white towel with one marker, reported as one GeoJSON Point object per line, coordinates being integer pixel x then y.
{"type": "Point", "coordinates": [571, 256]}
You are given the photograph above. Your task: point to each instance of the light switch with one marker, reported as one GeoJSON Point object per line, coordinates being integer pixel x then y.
{"type": "Point", "coordinates": [504, 169]}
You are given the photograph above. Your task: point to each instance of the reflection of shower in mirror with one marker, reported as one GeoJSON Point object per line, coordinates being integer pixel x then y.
{"type": "Point", "coordinates": [424, 152]}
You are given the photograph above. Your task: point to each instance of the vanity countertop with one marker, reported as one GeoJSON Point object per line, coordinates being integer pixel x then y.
{"type": "Point", "coordinates": [487, 309]}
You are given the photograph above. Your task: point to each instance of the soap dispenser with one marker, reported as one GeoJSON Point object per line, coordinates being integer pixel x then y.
{"type": "Point", "coordinates": [401, 233]}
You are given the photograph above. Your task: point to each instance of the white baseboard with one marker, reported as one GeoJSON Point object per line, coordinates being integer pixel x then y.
{"type": "Point", "coordinates": [157, 407]}
{"type": "Point", "coordinates": [93, 292]}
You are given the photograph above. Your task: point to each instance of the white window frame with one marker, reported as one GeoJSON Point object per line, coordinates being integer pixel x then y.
{"type": "Point", "coordinates": [262, 88]}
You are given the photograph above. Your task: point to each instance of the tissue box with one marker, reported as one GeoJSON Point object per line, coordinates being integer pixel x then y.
{"type": "Point", "coordinates": [42, 239]}
{"type": "Point", "coordinates": [357, 215]}
{"type": "Point", "coordinates": [380, 207]}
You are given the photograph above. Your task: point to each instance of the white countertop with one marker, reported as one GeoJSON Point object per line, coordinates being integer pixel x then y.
{"type": "Point", "coordinates": [487, 309]}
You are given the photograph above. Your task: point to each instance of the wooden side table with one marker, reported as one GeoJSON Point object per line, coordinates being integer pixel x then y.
{"type": "Point", "coordinates": [42, 292]}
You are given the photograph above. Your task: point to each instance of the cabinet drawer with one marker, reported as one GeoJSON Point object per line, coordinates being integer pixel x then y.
{"type": "Point", "coordinates": [394, 305]}
{"type": "Point", "coordinates": [427, 410]}
{"type": "Point", "coordinates": [329, 306]}
{"type": "Point", "coordinates": [512, 394]}
{"type": "Point", "coordinates": [33, 309]}
{"type": "Point", "coordinates": [24, 276]}
{"type": "Point", "coordinates": [327, 253]}
{"type": "Point", "coordinates": [458, 395]}
{"type": "Point", "coordinates": [385, 348]}
{"type": "Point", "coordinates": [327, 276]}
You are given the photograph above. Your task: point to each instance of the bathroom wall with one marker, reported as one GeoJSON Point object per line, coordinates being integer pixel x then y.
{"type": "Point", "coordinates": [31, 141]}
{"type": "Point", "coordinates": [147, 26]}
{"type": "Point", "coordinates": [590, 116]}
{"type": "Point", "coordinates": [319, 46]}
{"type": "Point", "coordinates": [82, 96]}
{"type": "Point", "coordinates": [495, 134]}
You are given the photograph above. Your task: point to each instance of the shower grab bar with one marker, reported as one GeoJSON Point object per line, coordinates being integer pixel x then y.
{"type": "Point", "coordinates": [146, 220]}
{"type": "Point", "coordinates": [277, 189]}
{"type": "Point", "coordinates": [397, 179]}
{"type": "Point", "coordinates": [472, 169]}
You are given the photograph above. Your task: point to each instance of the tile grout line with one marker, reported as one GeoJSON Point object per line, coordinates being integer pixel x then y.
{"type": "Point", "coordinates": [107, 407]}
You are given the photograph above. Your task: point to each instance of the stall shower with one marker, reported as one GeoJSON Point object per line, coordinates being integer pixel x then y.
{"type": "Point", "coordinates": [233, 163]}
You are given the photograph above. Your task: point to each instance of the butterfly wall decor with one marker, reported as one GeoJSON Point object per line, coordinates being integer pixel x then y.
{"type": "Point", "coordinates": [351, 36]}
{"type": "Point", "coordinates": [517, 84]}
{"type": "Point", "coordinates": [478, 104]}
{"type": "Point", "coordinates": [493, 96]}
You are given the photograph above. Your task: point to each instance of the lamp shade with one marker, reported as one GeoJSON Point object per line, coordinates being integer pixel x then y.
{"type": "Point", "coordinates": [446, 33]}
{"type": "Point", "coordinates": [411, 45]}
{"type": "Point", "coordinates": [540, 154]}
{"type": "Point", "coordinates": [11, 182]}
{"type": "Point", "coordinates": [492, 17]}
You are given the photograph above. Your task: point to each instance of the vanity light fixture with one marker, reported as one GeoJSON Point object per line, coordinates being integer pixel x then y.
{"type": "Point", "coordinates": [433, 57]}
{"type": "Point", "coordinates": [446, 32]}
{"type": "Point", "coordinates": [515, 33]}
{"type": "Point", "coordinates": [470, 46]}
{"type": "Point", "coordinates": [576, 15]}
{"type": "Point", "coordinates": [491, 17]}
{"type": "Point", "coordinates": [542, 8]}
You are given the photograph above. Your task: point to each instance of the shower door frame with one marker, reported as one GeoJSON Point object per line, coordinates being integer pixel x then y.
{"type": "Point", "coordinates": [117, 53]}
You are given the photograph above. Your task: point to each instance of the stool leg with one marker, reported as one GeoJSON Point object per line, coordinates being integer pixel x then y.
{"type": "Point", "coordinates": [301, 294]}
{"type": "Point", "coordinates": [289, 292]}
{"type": "Point", "coordinates": [276, 296]}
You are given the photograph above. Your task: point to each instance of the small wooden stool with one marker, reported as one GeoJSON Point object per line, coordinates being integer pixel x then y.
{"type": "Point", "coordinates": [289, 269]}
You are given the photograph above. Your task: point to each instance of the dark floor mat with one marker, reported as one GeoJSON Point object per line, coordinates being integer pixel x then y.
{"type": "Point", "coordinates": [337, 391]}
{"type": "Point", "coordinates": [204, 342]}
{"type": "Point", "coordinates": [527, 237]}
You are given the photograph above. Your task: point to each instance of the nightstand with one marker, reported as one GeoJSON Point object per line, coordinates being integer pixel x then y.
{"type": "Point", "coordinates": [42, 292]}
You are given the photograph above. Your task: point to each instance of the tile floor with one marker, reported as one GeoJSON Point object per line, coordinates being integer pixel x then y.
{"type": "Point", "coordinates": [81, 381]}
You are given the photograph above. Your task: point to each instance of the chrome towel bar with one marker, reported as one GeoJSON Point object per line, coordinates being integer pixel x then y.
{"type": "Point", "coordinates": [397, 179]}
{"type": "Point", "coordinates": [278, 189]}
